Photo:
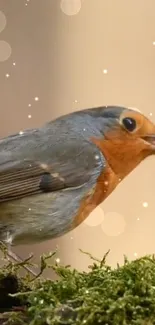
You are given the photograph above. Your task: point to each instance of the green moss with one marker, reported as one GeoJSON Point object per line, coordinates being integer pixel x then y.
{"type": "Point", "coordinates": [121, 296]}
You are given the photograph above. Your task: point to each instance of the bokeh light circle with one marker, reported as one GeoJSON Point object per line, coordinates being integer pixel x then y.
{"type": "Point", "coordinates": [95, 218]}
{"type": "Point", "coordinates": [113, 224]}
{"type": "Point", "coordinates": [5, 51]}
{"type": "Point", "coordinates": [2, 21]}
{"type": "Point", "coordinates": [70, 7]}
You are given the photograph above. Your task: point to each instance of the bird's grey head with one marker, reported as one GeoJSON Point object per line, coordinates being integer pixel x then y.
{"type": "Point", "coordinates": [103, 118]}
{"type": "Point", "coordinates": [116, 123]}
{"type": "Point", "coordinates": [125, 121]}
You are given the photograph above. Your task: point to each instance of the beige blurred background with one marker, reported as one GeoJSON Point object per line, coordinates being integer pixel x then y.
{"type": "Point", "coordinates": [60, 56]}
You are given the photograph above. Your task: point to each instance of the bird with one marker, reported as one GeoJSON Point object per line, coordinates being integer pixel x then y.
{"type": "Point", "coordinates": [52, 177]}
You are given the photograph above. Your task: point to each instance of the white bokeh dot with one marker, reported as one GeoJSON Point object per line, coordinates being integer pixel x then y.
{"type": "Point", "coordinates": [2, 21]}
{"type": "Point", "coordinates": [5, 51]}
{"type": "Point", "coordinates": [145, 204]}
{"type": "Point", "coordinates": [57, 260]}
{"type": "Point", "coordinates": [95, 218]}
{"type": "Point", "coordinates": [113, 224]}
{"type": "Point", "coordinates": [70, 7]}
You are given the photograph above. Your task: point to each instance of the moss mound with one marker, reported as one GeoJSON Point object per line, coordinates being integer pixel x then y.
{"type": "Point", "coordinates": [121, 296]}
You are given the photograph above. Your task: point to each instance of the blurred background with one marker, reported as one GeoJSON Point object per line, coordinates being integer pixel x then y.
{"type": "Point", "coordinates": [60, 56]}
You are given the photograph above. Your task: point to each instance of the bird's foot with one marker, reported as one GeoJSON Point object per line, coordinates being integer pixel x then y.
{"type": "Point", "coordinates": [11, 255]}
{"type": "Point", "coordinates": [21, 262]}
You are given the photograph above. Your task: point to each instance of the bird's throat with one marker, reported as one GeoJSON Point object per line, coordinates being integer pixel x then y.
{"type": "Point", "coordinates": [122, 158]}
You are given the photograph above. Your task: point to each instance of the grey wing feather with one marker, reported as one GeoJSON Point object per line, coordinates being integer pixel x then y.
{"type": "Point", "coordinates": [43, 162]}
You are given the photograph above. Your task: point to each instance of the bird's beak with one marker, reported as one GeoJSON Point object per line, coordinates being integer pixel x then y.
{"type": "Point", "coordinates": [150, 139]}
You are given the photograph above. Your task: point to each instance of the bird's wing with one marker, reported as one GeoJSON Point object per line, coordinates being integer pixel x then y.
{"type": "Point", "coordinates": [31, 167]}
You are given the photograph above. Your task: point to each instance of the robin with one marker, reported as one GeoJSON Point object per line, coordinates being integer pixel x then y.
{"type": "Point", "coordinates": [54, 176]}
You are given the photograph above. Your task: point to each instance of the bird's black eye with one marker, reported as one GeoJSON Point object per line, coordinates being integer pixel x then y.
{"type": "Point", "coordinates": [129, 123]}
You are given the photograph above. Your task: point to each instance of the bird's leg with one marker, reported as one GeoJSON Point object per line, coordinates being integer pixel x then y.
{"type": "Point", "coordinates": [17, 258]}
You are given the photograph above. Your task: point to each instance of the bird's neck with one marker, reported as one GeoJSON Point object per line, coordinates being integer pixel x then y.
{"type": "Point", "coordinates": [121, 158]}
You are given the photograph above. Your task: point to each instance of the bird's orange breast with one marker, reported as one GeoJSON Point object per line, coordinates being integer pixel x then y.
{"type": "Point", "coordinates": [106, 183]}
